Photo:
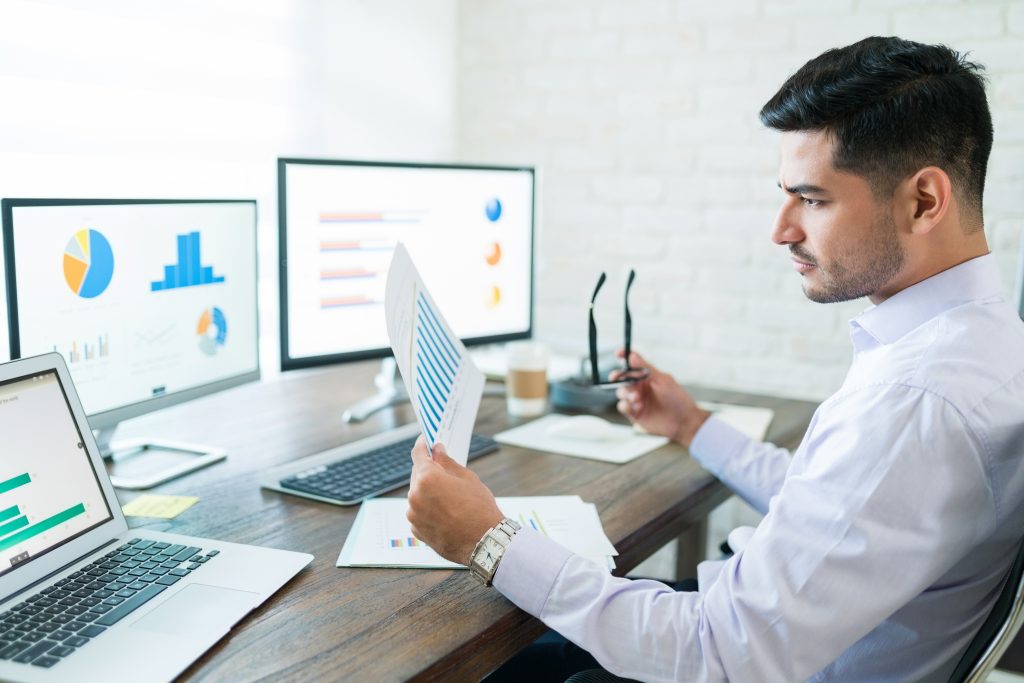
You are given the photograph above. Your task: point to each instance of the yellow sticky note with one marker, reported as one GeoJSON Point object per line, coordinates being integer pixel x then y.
{"type": "Point", "coordinates": [153, 505]}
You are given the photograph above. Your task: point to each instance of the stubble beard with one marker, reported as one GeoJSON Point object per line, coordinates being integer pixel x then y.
{"type": "Point", "coordinates": [857, 274]}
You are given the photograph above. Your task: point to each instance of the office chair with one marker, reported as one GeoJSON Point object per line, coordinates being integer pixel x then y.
{"type": "Point", "coordinates": [998, 630]}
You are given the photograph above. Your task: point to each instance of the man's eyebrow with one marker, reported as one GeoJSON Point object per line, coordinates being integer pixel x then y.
{"type": "Point", "coordinates": [805, 188]}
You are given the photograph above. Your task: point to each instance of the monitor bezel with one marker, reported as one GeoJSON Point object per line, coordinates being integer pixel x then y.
{"type": "Point", "coordinates": [289, 363]}
{"type": "Point", "coordinates": [110, 418]}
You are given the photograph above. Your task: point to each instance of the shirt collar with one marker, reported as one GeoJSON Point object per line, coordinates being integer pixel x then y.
{"type": "Point", "coordinates": [899, 314]}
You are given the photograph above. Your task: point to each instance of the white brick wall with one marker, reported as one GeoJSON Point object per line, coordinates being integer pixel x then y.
{"type": "Point", "coordinates": [642, 118]}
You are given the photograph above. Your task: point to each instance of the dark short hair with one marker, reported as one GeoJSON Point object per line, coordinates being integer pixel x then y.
{"type": "Point", "coordinates": [893, 107]}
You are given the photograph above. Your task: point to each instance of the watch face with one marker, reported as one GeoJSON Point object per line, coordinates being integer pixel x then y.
{"type": "Point", "coordinates": [490, 551]}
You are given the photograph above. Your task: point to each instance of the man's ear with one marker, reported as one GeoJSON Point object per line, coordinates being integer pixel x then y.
{"type": "Point", "coordinates": [925, 197]}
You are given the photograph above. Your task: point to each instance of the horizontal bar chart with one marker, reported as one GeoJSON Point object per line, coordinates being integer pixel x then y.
{"type": "Point", "coordinates": [41, 527]}
{"type": "Point", "coordinates": [14, 482]}
{"type": "Point", "coordinates": [12, 511]}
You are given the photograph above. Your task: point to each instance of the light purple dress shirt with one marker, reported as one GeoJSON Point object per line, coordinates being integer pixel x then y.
{"type": "Point", "coordinates": [887, 534]}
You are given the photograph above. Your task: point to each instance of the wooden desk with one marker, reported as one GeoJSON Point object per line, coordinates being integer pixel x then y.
{"type": "Point", "coordinates": [335, 624]}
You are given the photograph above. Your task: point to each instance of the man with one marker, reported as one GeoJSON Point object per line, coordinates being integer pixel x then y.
{"type": "Point", "coordinates": [888, 533]}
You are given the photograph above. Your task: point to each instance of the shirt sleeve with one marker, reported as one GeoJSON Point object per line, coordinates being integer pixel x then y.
{"type": "Point", "coordinates": [753, 470]}
{"type": "Point", "coordinates": [858, 530]}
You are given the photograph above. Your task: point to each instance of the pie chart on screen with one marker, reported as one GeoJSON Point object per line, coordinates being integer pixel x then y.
{"type": "Point", "coordinates": [212, 330]}
{"type": "Point", "coordinates": [88, 263]}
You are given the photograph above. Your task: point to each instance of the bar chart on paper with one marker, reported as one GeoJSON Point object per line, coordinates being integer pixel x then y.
{"type": "Point", "coordinates": [443, 383]}
{"type": "Point", "coordinates": [437, 366]}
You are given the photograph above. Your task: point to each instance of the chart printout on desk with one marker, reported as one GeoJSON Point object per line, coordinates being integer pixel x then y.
{"type": "Point", "coordinates": [443, 383]}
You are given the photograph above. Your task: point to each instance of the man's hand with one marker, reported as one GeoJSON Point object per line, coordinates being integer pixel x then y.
{"type": "Point", "coordinates": [450, 509]}
{"type": "Point", "coordinates": [658, 404]}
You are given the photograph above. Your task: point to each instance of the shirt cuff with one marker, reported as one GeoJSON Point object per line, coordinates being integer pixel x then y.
{"type": "Point", "coordinates": [528, 570]}
{"type": "Point", "coordinates": [716, 442]}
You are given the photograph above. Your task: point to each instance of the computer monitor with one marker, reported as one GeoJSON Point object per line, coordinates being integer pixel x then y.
{"type": "Point", "coordinates": [151, 302]}
{"type": "Point", "coordinates": [469, 230]}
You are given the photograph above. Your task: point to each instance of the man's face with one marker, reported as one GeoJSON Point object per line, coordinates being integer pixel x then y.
{"type": "Point", "coordinates": [843, 242]}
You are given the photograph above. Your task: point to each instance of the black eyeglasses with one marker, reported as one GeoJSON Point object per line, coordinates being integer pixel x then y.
{"type": "Point", "coordinates": [628, 374]}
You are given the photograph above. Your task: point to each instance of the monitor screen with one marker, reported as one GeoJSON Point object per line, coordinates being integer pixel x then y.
{"type": "Point", "coordinates": [150, 302]}
{"type": "Point", "coordinates": [49, 491]}
{"type": "Point", "coordinates": [468, 229]}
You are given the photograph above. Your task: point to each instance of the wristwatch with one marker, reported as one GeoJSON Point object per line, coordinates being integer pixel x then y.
{"type": "Point", "coordinates": [483, 563]}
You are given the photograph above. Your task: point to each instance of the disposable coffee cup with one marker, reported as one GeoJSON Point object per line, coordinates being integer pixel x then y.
{"type": "Point", "coordinates": [526, 381]}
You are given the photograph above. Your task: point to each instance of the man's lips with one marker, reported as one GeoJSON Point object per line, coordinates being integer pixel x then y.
{"type": "Point", "coordinates": [802, 266]}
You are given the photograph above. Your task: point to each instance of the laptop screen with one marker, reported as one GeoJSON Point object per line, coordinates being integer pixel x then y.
{"type": "Point", "coordinates": [49, 491]}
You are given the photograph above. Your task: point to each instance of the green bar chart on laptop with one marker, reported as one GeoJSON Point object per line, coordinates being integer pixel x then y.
{"type": "Point", "coordinates": [15, 527]}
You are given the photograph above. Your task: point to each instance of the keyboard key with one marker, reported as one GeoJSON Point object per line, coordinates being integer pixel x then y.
{"type": "Point", "coordinates": [113, 600]}
{"type": "Point", "coordinates": [76, 641]}
{"type": "Point", "coordinates": [170, 565]}
{"type": "Point", "coordinates": [33, 637]}
{"type": "Point", "coordinates": [101, 609]}
{"type": "Point", "coordinates": [186, 554]}
{"type": "Point", "coordinates": [62, 619]}
{"type": "Point", "coordinates": [13, 649]}
{"type": "Point", "coordinates": [46, 628]}
{"type": "Point", "coordinates": [103, 593]}
{"type": "Point", "coordinates": [166, 580]}
{"type": "Point", "coordinates": [36, 650]}
{"type": "Point", "coordinates": [161, 545]}
{"type": "Point", "coordinates": [180, 572]}
{"type": "Point", "coordinates": [121, 611]}
{"type": "Point", "coordinates": [213, 553]}
{"type": "Point", "coordinates": [137, 585]}
{"type": "Point", "coordinates": [46, 661]}
{"type": "Point", "coordinates": [61, 635]}
{"type": "Point", "coordinates": [92, 630]}
{"type": "Point", "coordinates": [194, 565]}
{"type": "Point", "coordinates": [149, 564]}
{"type": "Point", "coordinates": [61, 651]}
{"type": "Point", "coordinates": [142, 545]}
{"type": "Point", "coordinates": [172, 550]}
{"type": "Point", "coordinates": [125, 593]}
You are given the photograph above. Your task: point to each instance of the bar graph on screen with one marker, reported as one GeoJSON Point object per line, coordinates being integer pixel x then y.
{"type": "Point", "coordinates": [189, 271]}
{"type": "Point", "coordinates": [443, 383]}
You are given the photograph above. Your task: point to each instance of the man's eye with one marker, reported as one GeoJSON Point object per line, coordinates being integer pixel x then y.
{"type": "Point", "coordinates": [810, 202]}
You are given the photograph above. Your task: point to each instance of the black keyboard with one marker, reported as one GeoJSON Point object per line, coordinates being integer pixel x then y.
{"type": "Point", "coordinates": [377, 471]}
{"type": "Point", "coordinates": [53, 624]}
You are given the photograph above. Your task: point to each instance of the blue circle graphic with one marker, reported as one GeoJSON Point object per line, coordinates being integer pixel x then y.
{"type": "Point", "coordinates": [494, 209]}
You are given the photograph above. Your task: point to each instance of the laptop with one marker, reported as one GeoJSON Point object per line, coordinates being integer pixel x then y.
{"type": "Point", "coordinates": [82, 596]}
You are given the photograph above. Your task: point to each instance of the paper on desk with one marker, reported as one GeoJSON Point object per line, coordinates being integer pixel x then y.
{"type": "Point", "coordinates": [441, 379]}
{"type": "Point", "coordinates": [382, 537]}
{"type": "Point", "coordinates": [753, 422]}
{"type": "Point", "coordinates": [624, 444]}
{"type": "Point", "coordinates": [153, 505]}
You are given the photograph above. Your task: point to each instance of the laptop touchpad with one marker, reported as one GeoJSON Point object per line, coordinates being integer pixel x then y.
{"type": "Point", "coordinates": [199, 610]}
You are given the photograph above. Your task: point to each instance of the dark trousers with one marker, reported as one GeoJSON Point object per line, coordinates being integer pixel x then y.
{"type": "Point", "coordinates": [552, 659]}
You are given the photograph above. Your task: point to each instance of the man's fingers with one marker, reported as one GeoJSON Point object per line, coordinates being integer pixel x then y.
{"type": "Point", "coordinates": [420, 453]}
{"type": "Point", "coordinates": [442, 458]}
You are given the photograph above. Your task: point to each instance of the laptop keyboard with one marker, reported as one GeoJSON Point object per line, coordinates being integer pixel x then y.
{"type": "Point", "coordinates": [67, 615]}
{"type": "Point", "coordinates": [377, 471]}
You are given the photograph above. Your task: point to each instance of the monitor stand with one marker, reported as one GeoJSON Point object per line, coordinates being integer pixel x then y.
{"type": "Point", "coordinates": [144, 463]}
{"type": "Point", "coordinates": [390, 392]}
